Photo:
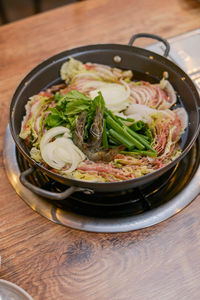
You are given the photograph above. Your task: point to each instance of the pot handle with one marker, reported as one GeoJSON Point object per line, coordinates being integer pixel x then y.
{"type": "Point", "coordinates": [48, 194]}
{"type": "Point", "coordinates": [151, 36]}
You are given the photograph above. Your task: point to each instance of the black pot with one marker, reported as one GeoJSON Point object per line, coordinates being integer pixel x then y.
{"type": "Point", "coordinates": [146, 65]}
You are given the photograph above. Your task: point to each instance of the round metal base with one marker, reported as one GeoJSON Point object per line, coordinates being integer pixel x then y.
{"type": "Point", "coordinates": [83, 213]}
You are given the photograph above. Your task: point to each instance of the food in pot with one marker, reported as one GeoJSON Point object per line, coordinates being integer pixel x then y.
{"type": "Point", "coordinates": [100, 125]}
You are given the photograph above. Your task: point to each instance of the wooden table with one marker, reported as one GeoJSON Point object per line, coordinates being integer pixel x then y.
{"type": "Point", "coordinates": [54, 262]}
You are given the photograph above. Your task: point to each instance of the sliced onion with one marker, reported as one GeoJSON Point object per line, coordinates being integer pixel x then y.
{"type": "Point", "coordinates": [115, 95]}
{"type": "Point", "coordinates": [81, 154]}
{"type": "Point", "coordinates": [51, 133]}
{"type": "Point", "coordinates": [67, 153]}
{"type": "Point", "coordinates": [61, 152]}
{"type": "Point", "coordinates": [48, 155]}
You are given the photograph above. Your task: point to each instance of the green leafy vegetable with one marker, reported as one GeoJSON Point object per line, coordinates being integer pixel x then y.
{"type": "Point", "coordinates": [77, 106]}
{"type": "Point", "coordinates": [55, 118]}
{"type": "Point", "coordinates": [76, 95]}
{"type": "Point", "coordinates": [57, 97]}
{"type": "Point", "coordinates": [67, 108]}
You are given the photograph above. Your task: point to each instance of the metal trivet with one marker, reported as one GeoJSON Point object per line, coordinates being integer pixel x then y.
{"type": "Point", "coordinates": [125, 211]}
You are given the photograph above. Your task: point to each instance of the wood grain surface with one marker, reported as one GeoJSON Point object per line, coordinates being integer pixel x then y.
{"type": "Point", "coordinates": [52, 262]}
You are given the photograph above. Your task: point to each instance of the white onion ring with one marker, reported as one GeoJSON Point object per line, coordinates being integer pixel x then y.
{"type": "Point", "coordinates": [61, 152]}
{"type": "Point", "coordinates": [51, 133]}
{"type": "Point", "coordinates": [116, 95]}
{"type": "Point", "coordinates": [48, 155]}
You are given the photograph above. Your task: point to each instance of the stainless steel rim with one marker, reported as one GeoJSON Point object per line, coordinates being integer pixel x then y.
{"type": "Point", "coordinates": [81, 222]}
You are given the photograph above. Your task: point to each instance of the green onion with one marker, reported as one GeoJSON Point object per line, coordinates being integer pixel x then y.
{"type": "Point", "coordinates": [122, 139]}
{"type": "Point", "coordinates": [142, 140]}
{"type": "Point", "coordinates": [126, 120]}
{"type": "Point", "coordinates": [113, 142]}
{"type": "Point", "coordinates": [137, 126]}
{"type": "Point", "coordinates": [120, 130]}
{"type": "Point", "coordinates": [138, 137]}
{"type": "Point", "coordinates": [137, 152]}
{"type": "Point", "coordinates": [139, 140]}
{"type": "Point", "coordinates": [144, 137]}
{"type": "Point", "coordinates": [105, 138]}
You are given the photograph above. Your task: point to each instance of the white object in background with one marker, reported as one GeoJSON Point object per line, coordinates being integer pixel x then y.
{"type": "Point", "coordinates": [11, 291]}
{"type": "Point", "coordinates": [185, 52]}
